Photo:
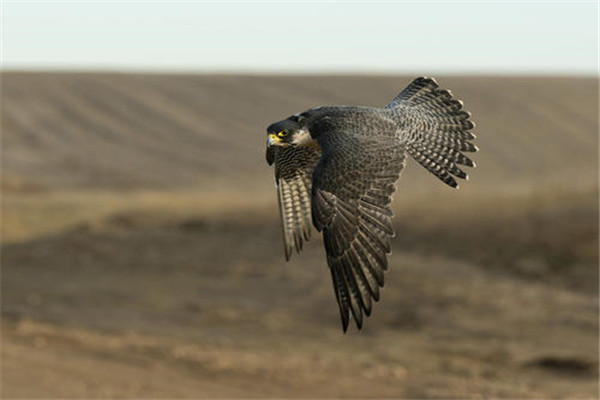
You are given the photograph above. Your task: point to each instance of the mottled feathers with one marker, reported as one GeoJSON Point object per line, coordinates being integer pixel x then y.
{"type": "Point", "coordinates": [352, 192]}
{"type": "Point", "coordinates": [293, 174]}
{"type": "Point", "coordinates": [435, 128]}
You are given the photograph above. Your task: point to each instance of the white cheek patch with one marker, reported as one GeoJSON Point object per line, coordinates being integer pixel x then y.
{"type": "Point", "coordinates": [304, 139]}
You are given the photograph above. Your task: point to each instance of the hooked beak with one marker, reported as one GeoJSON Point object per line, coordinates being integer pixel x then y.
{"type": "Point", "coordinates": [272, 140]}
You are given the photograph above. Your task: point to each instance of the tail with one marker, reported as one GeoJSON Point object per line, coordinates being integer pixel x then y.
{"type": "Point", "coordinates": [435, 129]}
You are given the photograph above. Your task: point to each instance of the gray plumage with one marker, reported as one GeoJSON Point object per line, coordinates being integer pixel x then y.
{"type": "Point", "coordinates": [338, 166]}
{"type": "Point", "coordinates": [293, 175]}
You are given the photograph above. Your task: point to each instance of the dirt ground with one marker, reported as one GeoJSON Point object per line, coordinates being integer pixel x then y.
{"type": "Point", "coordinates": [142, 255]}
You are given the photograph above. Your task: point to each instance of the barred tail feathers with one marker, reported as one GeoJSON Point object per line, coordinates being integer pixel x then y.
{"type": "Point", "coordinates": [436, 129]}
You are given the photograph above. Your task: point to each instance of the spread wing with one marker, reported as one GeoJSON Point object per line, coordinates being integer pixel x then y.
{"type": "Point", "coordinates": [352, 191]}
{"type": "Point", "coordinates": [294, 168]}
{"type": "Point", "coordinates": [436, 128]}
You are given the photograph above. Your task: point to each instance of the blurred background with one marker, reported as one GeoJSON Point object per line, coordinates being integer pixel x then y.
{"type": "Point", "coordinates": [141, 247]}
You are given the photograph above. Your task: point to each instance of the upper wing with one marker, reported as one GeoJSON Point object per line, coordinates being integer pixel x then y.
{"type": "Point", "coordinates": [436, 129]}
{"type": "Point", "coordinates": [352, 191]}
{"type": "Point", "coordinates": [293, 174]}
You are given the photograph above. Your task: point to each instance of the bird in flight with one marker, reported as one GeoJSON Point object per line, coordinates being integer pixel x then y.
{"type": "Point", "coordinates": [336, 168]}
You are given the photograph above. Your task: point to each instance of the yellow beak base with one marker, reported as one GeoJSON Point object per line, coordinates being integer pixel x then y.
{"type": "Point", "coordinates": [272, 140]}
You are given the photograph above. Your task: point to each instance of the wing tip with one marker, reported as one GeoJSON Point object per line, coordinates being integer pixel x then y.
{"type": "Point", "coordinates": [345, 320]}
{"type": "Point", "coordinates": [427, 80]}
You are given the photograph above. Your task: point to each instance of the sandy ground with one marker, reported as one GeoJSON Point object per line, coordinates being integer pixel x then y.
{"type": "Point", "coordinates": [142, 257]}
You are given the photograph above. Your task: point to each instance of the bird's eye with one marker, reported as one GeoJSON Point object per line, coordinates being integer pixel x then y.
{"type": "Point", "coordinates": [283, 133]}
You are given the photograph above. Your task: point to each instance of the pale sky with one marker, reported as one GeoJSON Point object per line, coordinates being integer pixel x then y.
{"type": "Point", "coordinates": [391, 37]}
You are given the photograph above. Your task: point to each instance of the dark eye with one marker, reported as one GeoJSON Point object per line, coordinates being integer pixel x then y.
{"type": "Point", "coordinates": [283, 133]}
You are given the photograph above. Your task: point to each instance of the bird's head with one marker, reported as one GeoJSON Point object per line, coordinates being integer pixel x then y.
{"type": "Point", "coordinates": [290, 132]}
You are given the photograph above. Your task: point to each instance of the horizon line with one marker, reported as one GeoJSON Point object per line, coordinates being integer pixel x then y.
{"type": "Point", "coordinates": [302, 72]}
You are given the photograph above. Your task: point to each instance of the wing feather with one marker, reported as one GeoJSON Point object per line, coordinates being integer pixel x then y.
{"type": "Point", "coordinates": [435, 128]}
{"type": "Point", "coordinates": [352, 188]}
{"type": "Point", "coordinates": [294, 167]}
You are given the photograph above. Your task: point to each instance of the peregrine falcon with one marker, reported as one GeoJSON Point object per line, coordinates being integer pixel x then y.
{"type": "Point", "coordinates": [336, 167]}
